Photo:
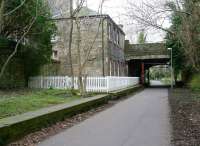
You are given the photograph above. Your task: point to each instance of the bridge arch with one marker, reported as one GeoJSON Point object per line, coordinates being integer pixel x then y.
{"type": "Point", "coordinates": [141, 57]}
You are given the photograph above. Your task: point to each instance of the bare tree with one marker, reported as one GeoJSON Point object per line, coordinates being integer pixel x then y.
{"type": "Point", "coordinates": [79, 5]}
{"type": "Point", "coordinates": [154, 14]}
{"type": "Point", "coordinates": [70, 42]}
{"type": "Point", "coordinates": [86, 45]}
{"type": "Point", "coordinates": [1, 15]}
{"type": "Point", "coordinates": [66, 28]}
{"type": "Point", "coordinates": [81, 43]}
{"type": "Point", "coordinates": [148, 14]}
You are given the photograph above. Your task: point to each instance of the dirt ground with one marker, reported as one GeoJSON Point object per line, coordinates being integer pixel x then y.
{"type": "Point", "coordinates": [185, 117]}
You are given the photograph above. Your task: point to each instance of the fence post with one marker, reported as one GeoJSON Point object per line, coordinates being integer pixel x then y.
{"type": "Point", "coordinates": [94, 84]}
{"type": "Point", "coordinates": [41, 82]}
{"type": "Point", "coordinates": [108, 84]}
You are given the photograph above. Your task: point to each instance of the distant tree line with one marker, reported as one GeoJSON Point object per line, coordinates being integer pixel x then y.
{"type": "Point", "coordinates": [185, 40]}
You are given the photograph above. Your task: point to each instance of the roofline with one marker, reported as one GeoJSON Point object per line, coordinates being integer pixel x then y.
{"type": "Point", "coordinates": [147, 57]}
{"type": "Point", "coordinates": [116, 24]}
{"type": "Point", "coordinates": [148, 43]}
{"type": "Point", "coordinates": [106, 16]}
{"type": "Point", "coordinates": [91, 16]}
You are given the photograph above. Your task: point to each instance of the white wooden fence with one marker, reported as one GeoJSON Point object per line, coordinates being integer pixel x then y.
{"type": "Point", "coordinates": [93, 84]}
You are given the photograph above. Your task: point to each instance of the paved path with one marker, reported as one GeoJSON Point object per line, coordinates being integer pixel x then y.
{"type": "Point", "coordinates": [141, 120]}
{"type": "Point", "coordinates": [156, 83]}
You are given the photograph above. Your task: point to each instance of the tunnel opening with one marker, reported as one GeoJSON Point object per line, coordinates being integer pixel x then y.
{"type": "Point", "coordinates": [158, 76]}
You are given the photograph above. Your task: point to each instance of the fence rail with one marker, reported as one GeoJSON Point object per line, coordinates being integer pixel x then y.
{"type": "Point", "coordinates": [93, 84]}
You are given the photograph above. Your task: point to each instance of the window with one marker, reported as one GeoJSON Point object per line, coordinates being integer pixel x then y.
{"type": "Point", "coordinates": [118, 39]}
{"type": "Point", "coordinates": [109, 32]}
{"type": "Point", "coordinates": [118, 63]}
{"type": "Point", "coordinates": [110, 67]}
{"type": "Point", "coordinates": [55, 54]}
{"type": "Point", "coordinates": [115, 35]}
{"type": "Point", "coordinates": [54, 39]}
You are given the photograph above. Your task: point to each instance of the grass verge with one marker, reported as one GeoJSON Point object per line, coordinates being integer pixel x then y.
{"type": "Point", "coordinates": [17, 102]}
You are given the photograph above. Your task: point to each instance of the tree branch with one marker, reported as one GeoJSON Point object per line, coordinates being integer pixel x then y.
{"type": "Point", "coordinates": [15, 9]}
{"type": "Point", "coordinates": [18, 43]}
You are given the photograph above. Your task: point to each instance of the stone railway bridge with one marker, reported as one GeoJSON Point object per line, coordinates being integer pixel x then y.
{"type": "Point", "coordinates": [141, 57]}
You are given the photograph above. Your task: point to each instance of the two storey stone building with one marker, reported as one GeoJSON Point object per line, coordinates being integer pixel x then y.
{"type": "Point", "coordinates": [101, 45]}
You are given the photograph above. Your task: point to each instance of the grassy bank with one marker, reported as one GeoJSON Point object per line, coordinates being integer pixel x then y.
{"type": "Point", "coordinates": [16, 102]}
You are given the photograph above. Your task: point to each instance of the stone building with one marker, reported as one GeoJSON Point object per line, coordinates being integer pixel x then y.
{"type": "Point", "coordinates": [59, 8]}
{"type": "Point", "coordinates": [101, 46]}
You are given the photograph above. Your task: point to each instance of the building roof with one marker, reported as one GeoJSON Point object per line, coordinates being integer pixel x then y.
{"type": "Point", "coordinates": [107, 17]}
{"type": "Point", "coordinates": [85, 11]}
{"type": "Point", "coordinates": [89, 13]}
{"type": "Point", "coordinates": [59, 8]}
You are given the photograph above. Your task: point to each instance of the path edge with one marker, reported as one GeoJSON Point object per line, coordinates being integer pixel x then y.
{"type": "Point", "coordinates": [16, 127]}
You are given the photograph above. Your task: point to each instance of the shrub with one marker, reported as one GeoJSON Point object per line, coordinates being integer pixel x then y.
{"type": "Point", "coordinates": [195, 82]}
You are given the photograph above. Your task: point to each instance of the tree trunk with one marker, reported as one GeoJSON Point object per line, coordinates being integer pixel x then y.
{"type": "Point", "coordinates": [78, 43]}
{"type": "Point", "coordinates": [70, 43]}
{"type": "Point", "coordinates": [103, 58]}
{"type": "Point", "coordinates": [1, 15]}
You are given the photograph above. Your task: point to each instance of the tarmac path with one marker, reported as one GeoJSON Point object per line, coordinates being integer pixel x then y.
{"type": "Point", "coordinates": [141, 120]}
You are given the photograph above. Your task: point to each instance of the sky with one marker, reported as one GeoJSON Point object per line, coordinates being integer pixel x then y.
{"type": "Point", "coordinates": [117, 10]}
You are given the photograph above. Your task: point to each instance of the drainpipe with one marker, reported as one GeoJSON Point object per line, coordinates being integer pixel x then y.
{"type": "Point", "coordinates": [103, 47]}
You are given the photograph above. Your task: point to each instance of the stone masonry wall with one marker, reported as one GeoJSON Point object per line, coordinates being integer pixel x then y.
{"type": "Point", "coordinates": [91, 48]}
{"type": "Point", "coordinates": [116, 60]}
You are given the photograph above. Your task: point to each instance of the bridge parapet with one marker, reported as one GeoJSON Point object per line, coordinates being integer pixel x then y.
{"type": "Point", "coordinates": [146, 51]}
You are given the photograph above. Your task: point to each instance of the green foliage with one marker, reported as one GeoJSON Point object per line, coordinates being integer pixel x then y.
{"type": "Point", "coordinates": [175, 42]}
{"type": "Point", "coordinates": [177, 54]}
{"type": "Point", "coordinates": [195, 82]}
{"type": "Point", "coordinates": [13, 104]}
{"type": "Point", "coordinates": [142, 38]}
{"type": "Point", "coordinates": [185, 41]}
{"type": "Point", "coordinates": [159, 73]}
{"type": "Point", "coordinates": [37, 48]}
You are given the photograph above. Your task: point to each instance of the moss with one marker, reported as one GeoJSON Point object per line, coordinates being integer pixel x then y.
{"type": "Point", "coordinates": [117, 95]}
{"type": "Point", "coordinates": [195, 83]}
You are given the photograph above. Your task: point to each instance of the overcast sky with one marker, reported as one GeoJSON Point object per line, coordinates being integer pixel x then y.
{"type": "Point", "coordinates": [116, 9]}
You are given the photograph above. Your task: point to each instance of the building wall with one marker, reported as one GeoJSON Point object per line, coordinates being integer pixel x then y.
{"type": "Point", "coordinates": [112, 60]}
{"type": "Point", "coordinates": [91, 46]}
{"type": "Point", "coordinates": [91, 37]}
{"type": "Point", "coordinates": [116, 58]}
